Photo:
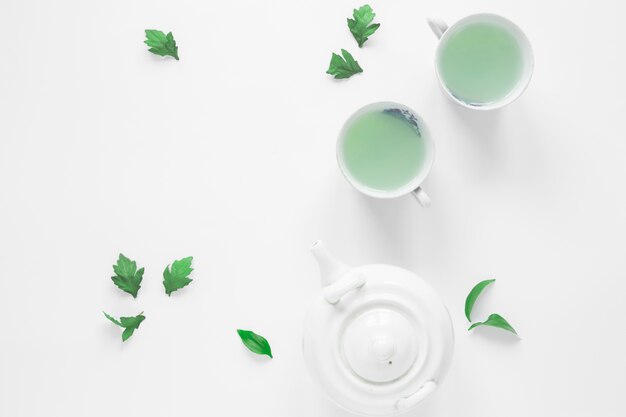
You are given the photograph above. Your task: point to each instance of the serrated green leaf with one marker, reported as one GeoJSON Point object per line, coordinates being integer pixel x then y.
{"type": "Point", "coordinates": [161, 44]}
{"type": "Point", "coordinates": [113, 319]}
{"type": "Point", "coordinates": [495, 320]}
{"type": "Point", "coordinates": [127, 277]}
{"type": "Point", "coordinates": [130, 324]}
{"type": "Point", "coordinates": [344, 67]}
{"type": "Point", "coordinates": [360, 26]}
{"type": "Point", "coordinates": [255, 343]}
{"type": "Point", "coordinates": [473, 296]}
{"type": "Point", "coordinates": [177, 276]}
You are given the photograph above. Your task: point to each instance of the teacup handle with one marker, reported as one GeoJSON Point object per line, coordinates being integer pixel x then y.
{"type": "Point", "coordinates": [421, 197]}
{"type": "Point", "coordinates": [437, 25]}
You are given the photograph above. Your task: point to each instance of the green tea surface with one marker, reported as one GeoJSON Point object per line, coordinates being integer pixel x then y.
{"type": "Point", "coordinates": [382, 150]}
{"type": "Point", "coordinates": [481, 63]}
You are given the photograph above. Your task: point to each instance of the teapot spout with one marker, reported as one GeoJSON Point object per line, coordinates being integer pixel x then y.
{"type": "Point", "coordinates": [331, 270]}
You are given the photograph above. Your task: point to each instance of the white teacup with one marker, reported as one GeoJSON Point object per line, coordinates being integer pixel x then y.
{"type": "Point", "coordinates": [389, 153]}
{"type": "Point", "coordinates": [523, 52]}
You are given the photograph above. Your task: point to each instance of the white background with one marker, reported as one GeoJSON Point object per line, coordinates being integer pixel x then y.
{"type": "Point", "coordinates": [228, 155]}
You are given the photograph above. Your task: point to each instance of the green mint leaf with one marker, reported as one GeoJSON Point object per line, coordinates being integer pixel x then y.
{"type": "Point", "coordinates": [344, 67]}
{"type": "Point", "coordinates": [473, 296]}
{"type": "Point", "coordinates": [360, 24]}
{"type": "Point", "coordinates": [130, 324]}
{"type": "Point", "coordinates": [161, 44]}
{"type": "Point", "coordinates": [127, 277]}
{"type": "Point", "coordinates": [177, 276]}
{"type": "Point", "coordinates": [495, 320]}
{"type": "Point", "coordinates": [255, 343]}
{"type": "Point", "coordinates": [112, 319]}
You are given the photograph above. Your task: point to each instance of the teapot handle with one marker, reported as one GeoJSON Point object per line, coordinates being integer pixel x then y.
{"type": "Point", "coordinates": [334, 292]}
{"type": "Point", "coordinates": [414, 399]}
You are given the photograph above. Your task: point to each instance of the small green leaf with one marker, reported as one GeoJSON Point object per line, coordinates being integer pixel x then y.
{"type": "Point", "coordinates": [127, 277]}
{"type": "Point", "coordinates": [473, 296]}
{"type": "Point", "coordinates": [130, 324]}
{"type": "Point", "coordinates": [112, 319]}
{"type": "Point", "coordinates": [255, 343]}
{"type": "Point", "coordinates": [360, 25]}
{"type": "Point", "coordinates": [344, 67]}
{"type": "Point", "coordinates": [161, 44]}
{"type": "Point", "coordinates": [177, 276]}
{"type": "Point", "coordinates": [495, 320]}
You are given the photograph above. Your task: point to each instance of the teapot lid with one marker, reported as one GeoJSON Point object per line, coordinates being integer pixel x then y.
{"type": "Point", "coordinates": [378, 340]}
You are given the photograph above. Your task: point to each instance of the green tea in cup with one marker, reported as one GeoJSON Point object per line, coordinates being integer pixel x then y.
{"type": "Point", "coordinates": [384, 151]}
{"type": "Point", "coordinates": [483, 61]}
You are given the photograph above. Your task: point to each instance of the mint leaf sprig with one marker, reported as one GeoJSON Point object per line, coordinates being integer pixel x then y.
{"type": "Point", "coordinates": [343, 67]}
{"type": "Point", "coordinates": [130, 324]}
{"type": "Point", "coordinates": [177, 276]}
{"type": "Point", "coordinates": [127, 277]}
{"type": "Point", "coordinates": [360, 25]}
{"type": "Point", "coordinates": [161, 44]}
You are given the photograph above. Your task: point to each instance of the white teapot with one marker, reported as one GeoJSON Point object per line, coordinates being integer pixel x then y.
{"type": "Point", "coordinates": [378, 338]}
